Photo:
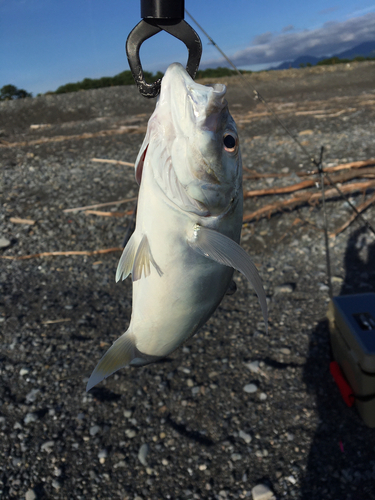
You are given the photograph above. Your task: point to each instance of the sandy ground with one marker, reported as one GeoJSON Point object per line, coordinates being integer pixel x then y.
{"type": "Point", "coordinates": [185, 428]}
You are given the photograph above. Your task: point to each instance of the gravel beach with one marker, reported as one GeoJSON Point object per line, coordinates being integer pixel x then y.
{"type": "Point", "coordinates": [235, 413]}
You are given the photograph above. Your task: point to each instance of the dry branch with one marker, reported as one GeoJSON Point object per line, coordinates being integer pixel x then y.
{"type": "Point", "coordinates": [307, 197]}
{"type": "Point", "coordinates": [99, 205]}
{"type": "Point", "coordinates": [133, 129]}
{"type": "Point", "coordinates": [344, 177]}
{"type": "Point", "coordinates": [361, 208]}
{"type": "Point", "coordinates": [343, 166]}
{"type": "Point", "coordinates": [54, 321]}
{"type": "Point", "coordinates": [53, 254]}
{"type": "Point", "coordinates": [17, 220]}
{"type": "Point", "coordinates": [280, 190]}
{"type": "Point", "coordinates": [115, 162]}
{"type": "Point", "coordinates": [109, 214]}
{"type": "Point", "coordinates": [253, 174]}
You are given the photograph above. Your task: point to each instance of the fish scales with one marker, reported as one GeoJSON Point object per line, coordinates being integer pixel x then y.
{"type": "Point", "coordinates": [185, 246]}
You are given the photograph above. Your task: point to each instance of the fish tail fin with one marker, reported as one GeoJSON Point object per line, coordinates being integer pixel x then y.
{"type": "Point", "coordinates": [118, 355]}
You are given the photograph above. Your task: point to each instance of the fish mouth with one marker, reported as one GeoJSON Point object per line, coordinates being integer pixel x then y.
{"type": "Point", "coordinates": [203, 104]}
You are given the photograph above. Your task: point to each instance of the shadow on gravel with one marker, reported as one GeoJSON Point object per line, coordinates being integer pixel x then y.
{"type": "Point", "coordinates": [341, 461]}
{"type": "Point", "coordinates": [190, 434]}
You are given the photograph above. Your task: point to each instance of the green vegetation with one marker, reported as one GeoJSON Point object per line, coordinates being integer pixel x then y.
{"type": "Point", "coordinates": [10, 92]}
{"type": "Point", "coordinates": [336, 60]}
{"type": "Point", "coordinates": [124, 78]}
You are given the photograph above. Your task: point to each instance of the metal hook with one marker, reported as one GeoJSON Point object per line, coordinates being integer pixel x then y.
{"type": "Point", "coordinates": [149, 27]}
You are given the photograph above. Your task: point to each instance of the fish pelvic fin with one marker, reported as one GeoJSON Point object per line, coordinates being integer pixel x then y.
{"type": "Point", "coordinates": [143, 260]}
{"type": "Point", "coordinates": [221, 249]}
{"type": "Point", "coordinates": [125, 265]}
{"type": "Point", "coordinates": [118, 355]}
{"type": "Point", "coordinates": [136, 259]}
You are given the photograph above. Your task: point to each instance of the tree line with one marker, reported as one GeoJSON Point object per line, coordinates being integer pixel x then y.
{"type": "Point", "coordinates": [10, 92]}
{"type": "Point", "coordinates": [126, 78]}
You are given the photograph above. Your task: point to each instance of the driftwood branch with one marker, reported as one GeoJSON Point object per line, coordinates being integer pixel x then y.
{"type": "Point", "coordinates": [99, 205]}
{"type": "Point", "coordinates": [115, 162]}
{"type": "Point", "coordinates": [311, 198]}
{"type": "Point", "coordinates": [361, 208]}
{"type": "Point", "coordinates": [344, 177]}
{"type": "Point", "coordinates": [253, 174]}
{"type": "Point", "coordinates": [108, 214]}
{"type": "Point", "coordinates": [131, 129]}
{"type": "Point", "coordinates": [17, 220]}
{"type": "Point", "coordinates": [54, 254]}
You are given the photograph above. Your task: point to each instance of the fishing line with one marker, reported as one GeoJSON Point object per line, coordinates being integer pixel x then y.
{"type": "Point", "coordinates": [256, 94]}
{"type": "Point", "coordinates": [259, 97]}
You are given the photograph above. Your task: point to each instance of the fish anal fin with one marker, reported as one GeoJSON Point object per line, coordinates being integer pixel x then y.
{"type": "Point", "coordinates": [118, 355]}
{"type": "Point", "coordinates": [143, 259]}
{"type": "Point", "coordinates": [221, 249]}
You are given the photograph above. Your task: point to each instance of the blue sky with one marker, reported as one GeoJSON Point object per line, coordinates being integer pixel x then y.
{"type": "Point", "coordinates": [45, 43]}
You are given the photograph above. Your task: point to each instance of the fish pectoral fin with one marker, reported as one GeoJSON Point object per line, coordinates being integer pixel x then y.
{"type": "Point", "coordinates": [142, 260]}
{"type": "Point", "coordinates": [220, 248]}
{"type": "Point", "coordinates": [118, 355]}
{"type": "Point", "coordinates": [126, 261]}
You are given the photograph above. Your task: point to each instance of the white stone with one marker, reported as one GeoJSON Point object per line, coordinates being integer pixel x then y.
{"type": "Point", "coordinates": [250, 388]}
{"type": "Point", "coordinates": [130, 433]}
{"type": "Point", "coordinates": [47, 446]}
{"type": "Point", "coordinates": [94, 430]}
{"type": "Point", "coordinates": [246, 437]}
{"type": "Point", "coordinates": [30, 495]}
{"type": "Point", "coordinates": [142, 454]}
{"type": "Point", "coordinates": [30, 417]}
{"type": "Point", "coordinates": [253, 366]}
{"type": "Point", "coordinates": [285, 350]}
{"type": "Point", "coordinates": [4, 243]}
{"type": "Point", "coordinates": [262, 492]}
{"type": "Point", "coordinates": [285, 288]}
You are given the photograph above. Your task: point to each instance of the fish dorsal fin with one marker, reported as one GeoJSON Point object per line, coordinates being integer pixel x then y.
{"type": "Point", "coordinates": [126, 261]}
{"type": "Point", "coordinates": [136, 259]}
{"type": "Point", "coordinates": [142, 260]}
{"type": "Point", "coordinates": [220, 248]}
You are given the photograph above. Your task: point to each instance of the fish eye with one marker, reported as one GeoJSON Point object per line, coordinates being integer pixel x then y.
{"type": "Point", "coordinates": [230, 142]}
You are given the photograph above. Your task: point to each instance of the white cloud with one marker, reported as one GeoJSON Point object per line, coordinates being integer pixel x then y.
{"type": "Point", "coordinates": [331, 38]}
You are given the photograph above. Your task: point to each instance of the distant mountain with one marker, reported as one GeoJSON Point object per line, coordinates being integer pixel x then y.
{"type": "Point", "coordinates": [365, 49]}
{"type": "Point", "coordinates": [297, 62]}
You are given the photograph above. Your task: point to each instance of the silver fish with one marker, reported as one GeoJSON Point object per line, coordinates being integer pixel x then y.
{"type": "Point", "coordinates": [186, 242]}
